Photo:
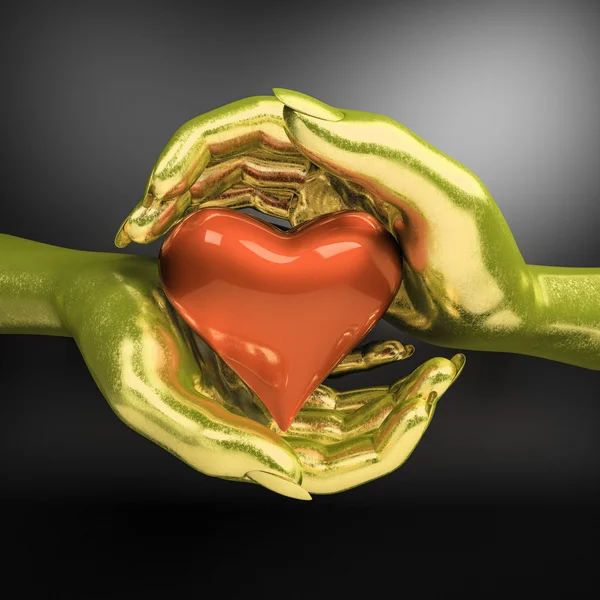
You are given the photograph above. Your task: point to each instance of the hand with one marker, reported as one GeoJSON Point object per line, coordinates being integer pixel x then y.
{"type": "Point", "coordinates": [169, 386]}
{"type": "Point", "coordinates": [465, 284]}
{"type": "Point", "coordinates": [295, 158]}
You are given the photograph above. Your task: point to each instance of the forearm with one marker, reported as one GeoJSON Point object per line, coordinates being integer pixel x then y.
{"type": "Point", "coordinates": [32, 277]}
{"type": "Point", "coordinates": [565, 321]}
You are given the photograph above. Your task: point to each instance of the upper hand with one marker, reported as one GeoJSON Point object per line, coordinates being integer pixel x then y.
{"type": "Point", "coordinates": [465, 282]}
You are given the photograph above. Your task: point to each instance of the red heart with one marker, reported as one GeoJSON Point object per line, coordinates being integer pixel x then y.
{"type": "Point", "coordinates": [281, 308]}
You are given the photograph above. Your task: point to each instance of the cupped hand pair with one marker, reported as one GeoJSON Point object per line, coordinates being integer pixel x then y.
{"type": "Point", "coordinates": [293, 157]}
{"type": "Point", "coordinates": [290, 156]}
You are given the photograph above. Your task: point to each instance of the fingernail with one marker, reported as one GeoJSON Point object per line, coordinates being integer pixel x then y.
{"type": "Point", "coordinates": [279, 484]}
{"type": "Point", "coordinates": [459, 361]}
{"type": "Point", "coordinates": [307, 105]}
{"type": "Point", "coordinates": [122, 239]}
{"type": "Point", "coordinates": [431, 399]}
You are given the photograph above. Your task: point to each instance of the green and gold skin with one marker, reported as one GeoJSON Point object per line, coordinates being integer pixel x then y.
{"type": "Point", "coordinates": [465, 286]}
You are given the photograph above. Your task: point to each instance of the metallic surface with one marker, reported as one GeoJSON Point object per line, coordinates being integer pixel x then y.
{"type": "Point", "coordinates": [164, 382]}
{"type": "Point", "coordinates": [465, 283]}
{"type": "Point", "coordinates": [235, 279]}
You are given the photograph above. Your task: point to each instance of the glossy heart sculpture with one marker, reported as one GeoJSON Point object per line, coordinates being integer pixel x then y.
{"type": "Point", "coordinates": [281, 308]}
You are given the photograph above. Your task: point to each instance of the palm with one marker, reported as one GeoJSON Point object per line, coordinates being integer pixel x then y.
{"type": "Point", "coordinates": [337, 434]}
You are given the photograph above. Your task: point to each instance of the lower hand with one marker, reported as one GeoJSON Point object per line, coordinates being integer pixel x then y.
{"type": "Point", "coordinates": [165, 383]}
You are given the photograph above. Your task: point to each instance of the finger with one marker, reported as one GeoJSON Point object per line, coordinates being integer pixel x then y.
{"type": "Point", "coordinates": [147, 370]}
{"type": "Point", "coordinates": [242, 127]}
{"type": "Point", "coordinates": [151, 218]}
{"type": "Point", "coordinates": [431, 379]}
{"type": "Point", "coordinates": [364, 454]}
{"type": "Point", "coordinates": [333, 418]}
{"type": "Point", "coordinates": [273, 204]}
{"type": "Point", "coordinates": [373, 355]}
{"type": "Point", "coordinates": [330, 427]}
{"type": "Point", "coordinates": [326, 398]}
{"type": "Point", "coordinates": [279, 484]}
{"type": "Point", "coordinates": [366, 148]}
{"type": "Point", "coordinates": [267, 175]}
{"type": "Point", "coordinates": [459, 361]}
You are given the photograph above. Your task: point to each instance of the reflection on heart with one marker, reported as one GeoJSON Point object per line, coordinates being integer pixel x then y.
{"type": "Point", "coordinates": [281, 308]}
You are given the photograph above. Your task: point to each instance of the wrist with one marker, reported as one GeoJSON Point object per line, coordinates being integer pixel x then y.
{"type": "Point", "coordinates": [559, 317]}
{"type": "Point", "coordinates": [552, 313]}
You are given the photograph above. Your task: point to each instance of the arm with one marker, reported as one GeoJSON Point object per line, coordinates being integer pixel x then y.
{"type": "Point", "coordinates": [31, 284]}
{"type": "Point", "coordinates": [553, 314]}
{"type": "Point", "coordinates": [566, 317]}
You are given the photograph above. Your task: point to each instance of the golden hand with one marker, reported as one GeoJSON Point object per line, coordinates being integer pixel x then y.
{"type": "Point", "coordinates": [465, 283]}
{"type": "Point", "coordinates": [169, 386]}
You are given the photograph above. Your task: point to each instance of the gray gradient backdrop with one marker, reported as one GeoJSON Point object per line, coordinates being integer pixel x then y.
{"type": "Point", "coordinates": [92, 92]}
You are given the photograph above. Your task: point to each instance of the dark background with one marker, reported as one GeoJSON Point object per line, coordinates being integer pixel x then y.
{"type": "Point", "coordinates": [504, 485]}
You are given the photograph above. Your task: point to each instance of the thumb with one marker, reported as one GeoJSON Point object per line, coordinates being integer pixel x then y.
{"type": "Point", "coordinates": [353, 145]}
{"type": "Point", "coordinates": [413, 184]}
{"type": "Point", "coordinates": [373, 151]}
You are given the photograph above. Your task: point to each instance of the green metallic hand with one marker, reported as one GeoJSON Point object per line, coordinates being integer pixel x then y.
{"type": "Point", "coordinates": [465, 284]}
{"type": "Point", "coordinates": [165, 383]}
